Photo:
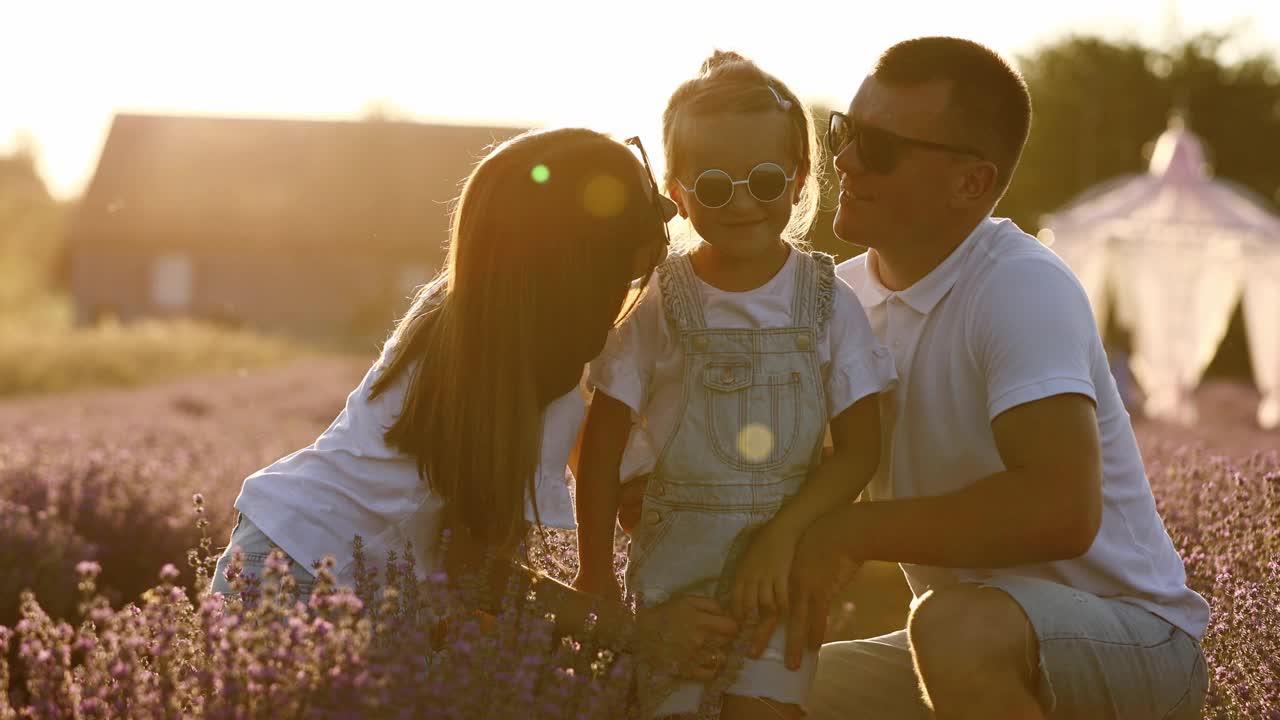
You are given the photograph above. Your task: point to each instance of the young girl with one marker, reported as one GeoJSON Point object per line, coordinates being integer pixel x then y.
{"type": "Point", "coordinates": [740, 353]}
{"type": "Point", "coordinates": [466, 420]}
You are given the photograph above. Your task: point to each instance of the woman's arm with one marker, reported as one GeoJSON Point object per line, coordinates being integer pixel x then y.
{"type": "Point", "coordinates": [604, 437]}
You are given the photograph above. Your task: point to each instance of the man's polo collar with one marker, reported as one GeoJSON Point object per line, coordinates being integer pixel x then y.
{"type": "Point", "coordinates": [929, 290]}
{"type": "Point", "coordinates": [872, 293]}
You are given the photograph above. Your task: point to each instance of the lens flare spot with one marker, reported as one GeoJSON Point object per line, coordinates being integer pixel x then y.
{"type": "Point", "coordinates": [755, 442]}
{"type": "Point", "coordinates": [540, 173]}
{"type": "Point", "coordinates": [604, 196]}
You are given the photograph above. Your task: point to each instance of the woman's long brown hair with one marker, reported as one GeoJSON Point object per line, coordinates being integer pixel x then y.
{"type": "Point", "coordinates": [540, 256]}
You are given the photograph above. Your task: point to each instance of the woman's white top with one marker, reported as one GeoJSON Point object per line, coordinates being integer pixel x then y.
{"type": "Point", "coordinates": [350, 482]}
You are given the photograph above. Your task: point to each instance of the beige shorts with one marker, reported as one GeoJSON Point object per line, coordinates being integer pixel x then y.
{"type": "Point", "coordinates": [1099, 659]}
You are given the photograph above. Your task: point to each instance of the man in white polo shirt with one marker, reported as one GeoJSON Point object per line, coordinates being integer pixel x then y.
{"type": "Point", "coordinates": [1010, 489]}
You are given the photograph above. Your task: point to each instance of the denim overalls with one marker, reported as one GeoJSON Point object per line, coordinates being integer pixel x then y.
{"type": "Point", "coordinates": [750, 431]}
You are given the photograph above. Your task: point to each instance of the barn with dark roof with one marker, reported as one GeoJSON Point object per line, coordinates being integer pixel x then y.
{"type": "Point", "coordinates": [313, 228]}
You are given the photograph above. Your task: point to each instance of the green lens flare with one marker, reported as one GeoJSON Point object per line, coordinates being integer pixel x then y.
{"type": "Point", "coordinates": [540, 174]}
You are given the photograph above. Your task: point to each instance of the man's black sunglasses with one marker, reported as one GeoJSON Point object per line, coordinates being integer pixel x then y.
{"type": "Point", "coordinates": [879, 150]}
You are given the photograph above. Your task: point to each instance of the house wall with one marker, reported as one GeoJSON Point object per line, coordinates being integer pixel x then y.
{"type": "Point", "coordinates": [325, 297]}
{"type": "Point", "coordinates": [108, 284]}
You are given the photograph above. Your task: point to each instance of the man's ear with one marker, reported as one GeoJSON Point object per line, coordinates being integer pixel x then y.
{"type": "Point", "coordinates": [976, 184]}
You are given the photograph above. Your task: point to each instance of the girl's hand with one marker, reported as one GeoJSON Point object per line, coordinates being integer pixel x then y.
{"type": "Point", "coordinates": [690, 634]}
{"type": "Point", "coordinates": [818, 573]}
{"type": "Point", "coordinates": [631, 502]}
{"type": "Point", "coordinates": [760, 582]}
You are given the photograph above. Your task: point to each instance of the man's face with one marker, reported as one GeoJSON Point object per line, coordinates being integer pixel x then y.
{"type": "Point", "coordinates": [897, 208]}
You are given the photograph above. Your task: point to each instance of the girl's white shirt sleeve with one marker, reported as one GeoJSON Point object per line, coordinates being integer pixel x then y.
{"type": "Point", "coordinates": [857, 364]}
{"type": "Point", "coordinates": [624, 368]}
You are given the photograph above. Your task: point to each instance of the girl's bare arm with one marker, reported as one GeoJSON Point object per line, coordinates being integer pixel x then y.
{"type": "Point", "coordinates": [604, 438]}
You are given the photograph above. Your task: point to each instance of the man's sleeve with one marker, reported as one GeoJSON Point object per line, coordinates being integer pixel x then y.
{"type": "Point", "coordinates": [1032, 333]}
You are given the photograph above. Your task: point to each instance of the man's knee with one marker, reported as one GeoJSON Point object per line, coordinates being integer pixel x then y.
{"type": "Point", "coordinates": [866, 678]}
{"type": "Point", "coordinates": [969, 633]}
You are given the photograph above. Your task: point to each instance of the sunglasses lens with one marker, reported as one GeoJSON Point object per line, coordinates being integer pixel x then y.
{"type": "Point", "coordinates": [877, 150]}
{"type": "Point", "coordinates": [767, 182]}
{"type": "Point", "coordinates": [714, 188]}
{"type": "Point", "coordinates": [837, 135]}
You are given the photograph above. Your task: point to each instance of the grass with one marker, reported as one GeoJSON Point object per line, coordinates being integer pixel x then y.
{"type": "Point", "coordinates": [42, 351]}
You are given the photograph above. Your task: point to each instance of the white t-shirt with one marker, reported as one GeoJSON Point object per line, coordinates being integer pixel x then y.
{"type": "Point", "coordinates": [642, 364]}
{"type": "Point", "coordinates": [349, 482]}
{"type": "Point", "coordinates": [999, 323]}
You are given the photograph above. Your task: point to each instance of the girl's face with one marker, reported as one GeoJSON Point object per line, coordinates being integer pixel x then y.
{"type": "Point", "coordinates": [737, 143]}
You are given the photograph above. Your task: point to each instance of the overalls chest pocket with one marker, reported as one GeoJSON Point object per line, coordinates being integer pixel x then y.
{"type": "Point", "coordinates": [752, 418]}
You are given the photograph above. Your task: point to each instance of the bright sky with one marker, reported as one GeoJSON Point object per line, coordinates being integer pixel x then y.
{"type": "Point", "coordinates": [67, 66]}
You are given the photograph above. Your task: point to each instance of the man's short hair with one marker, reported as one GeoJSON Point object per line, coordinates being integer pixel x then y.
{"type": "Point", "coordinates": [988, 101]}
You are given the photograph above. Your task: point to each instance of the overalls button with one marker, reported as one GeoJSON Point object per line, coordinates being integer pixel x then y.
{"type": "Point", "coordinates": [700, 344]}
{"type": "Point", "coordinates": [659, 491]}
{"type": "Point", "coordinates": [653, 517]}
{"type": "Point", "coordinates": [802, 342]}
{"type": "Point", "coordinates": [795, 377]}
{"type": "Point", "coordinates": [727, 376]}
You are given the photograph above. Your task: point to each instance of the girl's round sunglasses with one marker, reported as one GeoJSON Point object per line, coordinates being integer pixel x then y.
{"type": "Point", "coordinates": [714, 188]}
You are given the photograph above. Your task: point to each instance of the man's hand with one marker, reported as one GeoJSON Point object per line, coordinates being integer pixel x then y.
{"type": "Point", "coordinates": [819, 570]}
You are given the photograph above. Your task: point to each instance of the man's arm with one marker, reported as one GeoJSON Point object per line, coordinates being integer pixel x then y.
{"type": "Point", "coordinates": [1047, 504]}
{"type": "Point", "coordinates": [1029, 326]}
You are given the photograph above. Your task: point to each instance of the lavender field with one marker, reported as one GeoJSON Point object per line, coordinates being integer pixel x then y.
{"type": "Point", "coordinates": [96, 498]}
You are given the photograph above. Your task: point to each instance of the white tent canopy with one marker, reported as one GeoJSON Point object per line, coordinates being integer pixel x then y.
{"type": "Point", "coordinates": [1178, 249]}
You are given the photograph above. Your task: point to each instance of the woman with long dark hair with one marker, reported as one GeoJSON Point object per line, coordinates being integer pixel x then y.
{"type": "Point", "coordinates": [466, 420]}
